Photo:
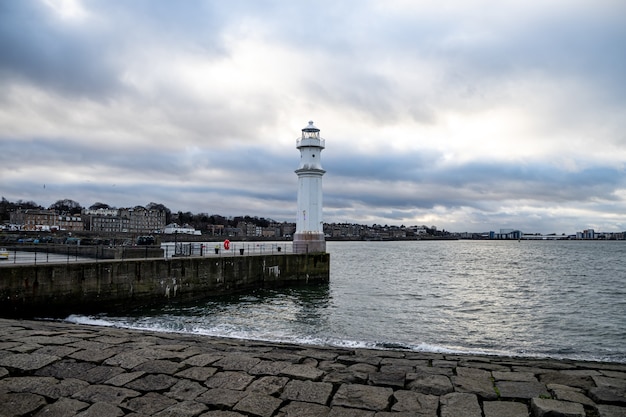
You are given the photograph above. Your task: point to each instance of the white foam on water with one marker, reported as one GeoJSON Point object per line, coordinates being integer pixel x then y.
{"type": "Point", "coordinates": [234, 332]}
{"type": "Point", "coordinates": [89, 320]}
{"type": "Point", "coordinates": [77, 319]}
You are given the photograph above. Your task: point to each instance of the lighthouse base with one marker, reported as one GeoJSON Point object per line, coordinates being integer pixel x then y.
{"type": "Point", "coordinates": [309, 242]}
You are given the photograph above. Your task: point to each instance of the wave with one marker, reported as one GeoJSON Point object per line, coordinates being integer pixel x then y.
{"type": "Point", "coordinates": [233, 332]}
{"type": "Point", "coordinates": [76, 319]}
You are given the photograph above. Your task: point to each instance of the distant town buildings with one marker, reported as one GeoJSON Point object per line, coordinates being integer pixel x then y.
{"type": "Point", "coordinates": [509, 234]}
{"type": "Point", "coordinates": [349, 231]}
{"type": "Point", "coordinates": [273, 230]}
{"type": "Point", "coordinates": [143, 221]}
{"type": "Point", "coordinates": [45, 220]}
{"type": "Point", "coordinates": [132, 220]}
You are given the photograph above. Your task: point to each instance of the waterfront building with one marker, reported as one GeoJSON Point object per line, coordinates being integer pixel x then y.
{"type": "Point", "coordinates": [506, 234]}
{"type": "Point", "coordinates": [287, 229]}
{"type": "Point", "coordinates": [233, 231]}
{"type": "Point", "coordinates": [70, 223]}
{"type": "Point", "coordinates": [143, 220]}
{"type": "Point", "coordinates": [589, 234]}
{"type": "Point", "coordinates": [215, 229]}
{"type": "Point", "coordinates": [108, 223]}
{"type": "Point", "coordinates": [269, 232]}
{"type": "Point", "coordinates": [45, 220]}
{"type": "Point", "coordinates": [33, 219]}
{"type": "Point", "coordinates": [126, 220]}
{"type": "Point", "coordinates": [104, 212]}
{"type": "Point", "coordinates": [247, 229]}
{"type": "Point", "coordinates": [105, 220]}
{"type": "Point", "coordinates": [421, 230]}
{"type": "Point", "coordinates": [309, 235]}
{"type": "Point", "coordinates": [174, 228]}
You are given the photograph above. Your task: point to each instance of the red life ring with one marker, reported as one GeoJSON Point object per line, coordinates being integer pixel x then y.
{"type": "Point", "coordinates": [227, 244]}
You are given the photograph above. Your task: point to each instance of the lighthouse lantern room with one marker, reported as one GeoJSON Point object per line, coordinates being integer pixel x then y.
{"type": "Point", "coordinates": [309, 236]}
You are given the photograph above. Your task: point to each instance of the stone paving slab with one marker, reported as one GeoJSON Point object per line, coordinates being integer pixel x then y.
{"type": "Point", "coordinates": [50, 369]}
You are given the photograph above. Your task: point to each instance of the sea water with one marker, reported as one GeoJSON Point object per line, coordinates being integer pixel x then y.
{"type": "Point", "coordinates": [558, 299]}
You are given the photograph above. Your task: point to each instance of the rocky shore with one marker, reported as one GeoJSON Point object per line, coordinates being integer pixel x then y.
{"type": "Point", "coordinates": [59, 369]}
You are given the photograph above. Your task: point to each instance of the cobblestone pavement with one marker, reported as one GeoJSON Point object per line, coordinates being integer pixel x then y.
{"type": "Point", "coordinates": [59, 369]}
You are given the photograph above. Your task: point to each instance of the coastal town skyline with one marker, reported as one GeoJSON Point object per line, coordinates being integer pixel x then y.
{"type": "Point", "coordinates": [467, 115]}
{"type": "Point", "coordinates": [203, 220]}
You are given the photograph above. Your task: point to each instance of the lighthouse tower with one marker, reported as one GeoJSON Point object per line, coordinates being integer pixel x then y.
{"type": "Point", "coordinates": [309, 236]}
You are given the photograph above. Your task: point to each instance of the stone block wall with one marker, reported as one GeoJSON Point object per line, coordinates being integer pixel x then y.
{"type": "Point", "coordinates": [56, 290]}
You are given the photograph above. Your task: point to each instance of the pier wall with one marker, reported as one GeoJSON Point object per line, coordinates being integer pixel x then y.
{"type": "Point", "coordinates": [56, 290]}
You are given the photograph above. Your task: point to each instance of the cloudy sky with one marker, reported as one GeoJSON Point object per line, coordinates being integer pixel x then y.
{"type": "Point", "coordinates": [471, 115]}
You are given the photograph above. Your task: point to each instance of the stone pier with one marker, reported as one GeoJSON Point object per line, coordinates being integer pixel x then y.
{"type": "Point", "coordinates": [50, 369]}
{"type": "Point", "coordinates": [59, 289]}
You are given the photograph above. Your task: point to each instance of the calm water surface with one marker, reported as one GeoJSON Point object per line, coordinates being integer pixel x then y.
{"type": "Point", "coordinates": [563, 299]}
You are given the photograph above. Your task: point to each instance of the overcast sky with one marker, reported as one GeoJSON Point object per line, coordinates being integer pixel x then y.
{"type": "Point", "coordinates": [470, 115]}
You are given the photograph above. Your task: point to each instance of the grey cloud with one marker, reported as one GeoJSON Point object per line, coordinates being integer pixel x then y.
{"type": "Point", "coordinates": [377, 182]}
{"type": "Point", "coordinates": [574, 44]}
{"type": "Point", "coordinates": [428, 167]}
{"type": "Point", "coordinates": [251, 162]}
{"type": "Point", "coordinates": [88, 58]}
{"type": "Point", "coordinates": [34, 48]}
{"type": "Point", "coordinates": [356, 62]}
{"type": "Point", "coordinates": [247, 172]}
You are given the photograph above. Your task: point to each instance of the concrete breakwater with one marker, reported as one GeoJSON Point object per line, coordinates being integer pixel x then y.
{"type": "Point", "coordinates": [58, 369]}
{"type": "Point", "coordinates": [55, 290]}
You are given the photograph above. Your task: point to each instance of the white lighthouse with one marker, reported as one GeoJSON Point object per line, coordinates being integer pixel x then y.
{"type": "Point", "coordinates": [309, 236]}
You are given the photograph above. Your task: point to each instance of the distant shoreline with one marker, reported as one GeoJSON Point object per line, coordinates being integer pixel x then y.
{"type": "Point", "coordinates": [10, 238]}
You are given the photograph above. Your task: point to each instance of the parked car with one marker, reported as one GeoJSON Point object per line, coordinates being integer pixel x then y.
{"type": "Point", "coordinates": [145, 240]}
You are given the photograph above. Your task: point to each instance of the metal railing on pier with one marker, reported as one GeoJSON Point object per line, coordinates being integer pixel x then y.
{"type": "Point", "coordinates": [43, 256]}
{"type": "Point", "coordinates": [172, 249]}
{"type": "Point", "coordinates": [36, 254]}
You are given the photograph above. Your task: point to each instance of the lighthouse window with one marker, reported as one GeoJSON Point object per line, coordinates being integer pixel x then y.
{"type": "Point", "coordinates": [313, 155]}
